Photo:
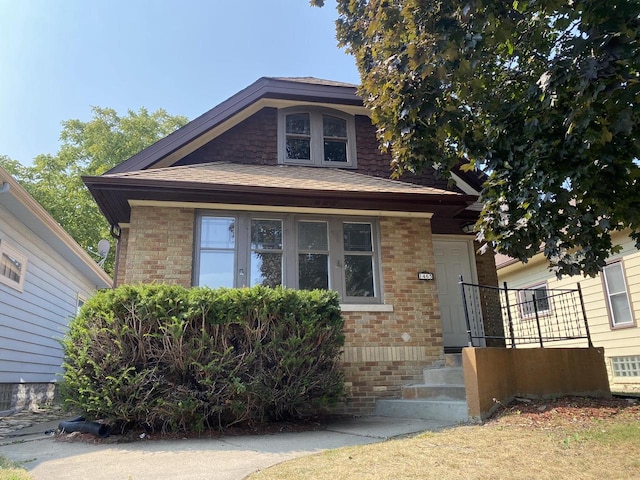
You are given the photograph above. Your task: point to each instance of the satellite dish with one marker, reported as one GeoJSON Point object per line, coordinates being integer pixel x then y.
{"type": "Point", "coordinates": [103, 247]}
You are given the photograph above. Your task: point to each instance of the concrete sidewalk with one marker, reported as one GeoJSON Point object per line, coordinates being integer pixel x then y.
{"type": "Point", "coordinates": [224, 458]}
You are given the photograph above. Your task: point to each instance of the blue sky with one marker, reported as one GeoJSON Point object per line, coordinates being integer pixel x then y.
{"type": "Point", "coordinates": [60, 57]}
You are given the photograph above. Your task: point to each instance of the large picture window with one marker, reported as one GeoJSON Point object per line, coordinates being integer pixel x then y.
{"type": "Point", "coordinates": [13, 266]}
{"type": "Point", "coordinates": [291, 250]}
{"type": "Point", "coordinates": [318, 137]}
{"type": "Point", "coordinates": [617, 296]}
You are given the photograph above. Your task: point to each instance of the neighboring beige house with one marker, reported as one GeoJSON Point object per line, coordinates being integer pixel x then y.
{"type": "Point", "coordinates": [612, 304]}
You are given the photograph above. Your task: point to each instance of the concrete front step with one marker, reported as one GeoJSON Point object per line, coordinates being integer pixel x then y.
{"type": "Point", "coordinates": [449, 410]}
{"type": "Point", "coordinates": [434, 391]}
{"type": "Point", "coordinates": [443, 376]}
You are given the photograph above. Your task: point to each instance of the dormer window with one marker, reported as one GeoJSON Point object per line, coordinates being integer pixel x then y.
{"type": "Point", "coordinates": [317, 137]}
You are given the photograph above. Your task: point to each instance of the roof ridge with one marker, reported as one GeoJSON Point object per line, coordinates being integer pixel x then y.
{"type": "Point", "coordinates": [316, 81]}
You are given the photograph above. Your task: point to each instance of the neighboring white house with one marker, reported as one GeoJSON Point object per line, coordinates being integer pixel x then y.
{"type": "Point", "coordinates": [44, 277]}
{"type": "Point", "coordinates": [612, 304]}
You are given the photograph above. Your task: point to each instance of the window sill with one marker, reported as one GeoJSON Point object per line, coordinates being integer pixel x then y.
{"type": "Point", "coordinates": [353, 307]}
{"type": "Point", "coordinates": [623, 326]}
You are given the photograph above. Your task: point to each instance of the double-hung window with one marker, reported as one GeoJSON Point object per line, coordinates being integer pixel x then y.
{"type": "Point", "coordinates": [217, 247]}
{"type": "Point", "coordinates": [534, 300]}
{"type": "Point", "coordinates": [358, 260]}
{"type": "Point", "coordinates": [266, 252]}
{"type": "Point", "coordinates": [313, 255]}
{"type": "Point", "coordinates": [13, 266]}
{"type": "Point", "coordinates": [295, 251]}
{"type": "Point", "coordinates": [617, 295]}
{"type": "Point", "coordinates": [317, 137]}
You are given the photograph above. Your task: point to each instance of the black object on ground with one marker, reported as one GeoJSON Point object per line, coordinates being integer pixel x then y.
{"type": "Point", "coordinates": [80, 425]}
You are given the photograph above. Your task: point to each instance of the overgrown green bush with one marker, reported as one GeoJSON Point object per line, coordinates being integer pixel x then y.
{"type": "Point", "coordinates": [178, 359]}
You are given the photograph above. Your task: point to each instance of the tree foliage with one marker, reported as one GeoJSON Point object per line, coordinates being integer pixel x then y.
{"type": "Point", "coordinates": [89, 148]}
{"type": "Point", "coordinates": [541, 95]}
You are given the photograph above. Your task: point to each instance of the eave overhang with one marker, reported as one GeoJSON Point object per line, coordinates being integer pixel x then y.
{"type": "Point", "coordinates": [114, 194]}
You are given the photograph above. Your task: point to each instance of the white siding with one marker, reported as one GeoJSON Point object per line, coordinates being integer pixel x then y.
{"type": "Point", "coordinates": [33, 321]}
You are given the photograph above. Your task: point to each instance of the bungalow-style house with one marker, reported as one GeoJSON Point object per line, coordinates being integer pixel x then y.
{"type": "Point", "coordinates": [611, 301]}
{"type": "Point", "coordinates": [284, 184]}
{"type": "Point", "coordinates": [44, 278]}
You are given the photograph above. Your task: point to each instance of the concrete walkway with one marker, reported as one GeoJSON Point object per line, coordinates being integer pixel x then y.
{"type": "Point", "coordinates": [232, 457]}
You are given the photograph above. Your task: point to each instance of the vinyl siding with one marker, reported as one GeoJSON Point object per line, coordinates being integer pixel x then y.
{"type": "Point", "coordinates": [33, 321]}
{"type": "Point", "coordinates": [618, 341]}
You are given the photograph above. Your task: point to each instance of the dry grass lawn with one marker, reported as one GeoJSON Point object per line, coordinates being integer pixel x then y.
{"type": "Point", "coordinates": [566, 438]}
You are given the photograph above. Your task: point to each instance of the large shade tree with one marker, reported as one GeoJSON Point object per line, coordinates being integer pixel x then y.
{"type": "Point", "coordinates": [542, 95]}
{"type": "Point", "coordinates": [89, 148]}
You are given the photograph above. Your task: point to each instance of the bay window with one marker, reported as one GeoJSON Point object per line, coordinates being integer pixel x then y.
{"type": "Point", "coordinates": [296, 251]}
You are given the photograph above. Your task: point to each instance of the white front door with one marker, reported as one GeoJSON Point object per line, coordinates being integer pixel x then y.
{"type": "Point", "coordinates": [453, 258]}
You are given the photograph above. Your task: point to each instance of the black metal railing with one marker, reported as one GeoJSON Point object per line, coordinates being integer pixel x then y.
{"type": "Point", "coordinates": [528, 315]}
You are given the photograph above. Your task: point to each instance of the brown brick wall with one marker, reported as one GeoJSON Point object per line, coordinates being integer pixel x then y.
{"type": "Point", "coordinates": [385, 350]}
{"type": "Point", "coordinates": [372, 161]}
{"type": "Point", "coordinates": [487, 275]}
{"type": "Point", "coordinates": [121, 257]}
{"type": "Point", "coordinates": [254, 140]}
{"type": "Point", "coordinates": [160, 246]}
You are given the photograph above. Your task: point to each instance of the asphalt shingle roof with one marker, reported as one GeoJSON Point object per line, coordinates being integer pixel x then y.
{"type": "Point", "coordinates": [279, 176]}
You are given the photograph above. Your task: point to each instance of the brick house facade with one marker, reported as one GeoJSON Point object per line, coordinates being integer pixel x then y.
{"type": "Point", "coordinates": [227, 166]}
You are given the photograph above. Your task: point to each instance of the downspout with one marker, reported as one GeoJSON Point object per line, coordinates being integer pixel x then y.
{"type": "Point", "coordinates": [115, 233]}
{"type": "Point", "coordinates": [6, 186]}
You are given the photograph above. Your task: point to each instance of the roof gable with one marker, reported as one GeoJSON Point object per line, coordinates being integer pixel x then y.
{"type": "Point", "coordinates": [240, 105]}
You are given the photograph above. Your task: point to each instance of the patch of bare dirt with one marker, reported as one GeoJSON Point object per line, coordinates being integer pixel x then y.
{"type": "Point", "coordinates": [545, 414]}
{"type": "Point", "coordinates": [564, 411]}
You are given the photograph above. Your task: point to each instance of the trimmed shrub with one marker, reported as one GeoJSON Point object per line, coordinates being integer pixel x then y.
{"type": "Point", "coordinates": [177, 359]}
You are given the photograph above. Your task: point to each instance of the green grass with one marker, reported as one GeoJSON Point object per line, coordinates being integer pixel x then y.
{"type": "Point", "coordinates": [12, 471]}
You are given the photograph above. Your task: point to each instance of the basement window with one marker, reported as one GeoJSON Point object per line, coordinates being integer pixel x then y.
{"type": "Point", "coordinates": [626, 366]}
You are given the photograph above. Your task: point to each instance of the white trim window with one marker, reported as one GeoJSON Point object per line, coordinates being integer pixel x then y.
{"type": "Point", "coordinates": [13, 267]}
{"type": "Point", "coordinates": [317, 137]}
{"type": "Point", "coordinates": [527, 304]}
{"type": "Point", "coordinates": [296, 251]}
{"type": "Point", "coordinates": [618, 303]}
{"type": "Point", "coordinates": [80, 301]}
